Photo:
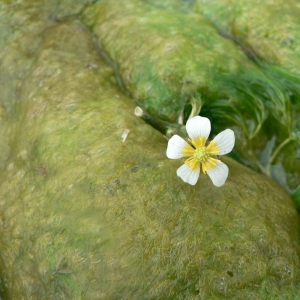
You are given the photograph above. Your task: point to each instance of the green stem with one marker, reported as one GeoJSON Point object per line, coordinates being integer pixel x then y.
{"type": "Point", "coordinates": [264, 170]}
{"type": "Point", "coordinates": [279, 148]}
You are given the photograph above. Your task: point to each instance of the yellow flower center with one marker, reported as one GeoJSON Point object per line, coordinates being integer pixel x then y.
{"type": "Point", "coordinates": [201, 154]}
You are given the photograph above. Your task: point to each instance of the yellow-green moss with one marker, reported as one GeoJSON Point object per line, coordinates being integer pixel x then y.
{"type": "Point", "coordinates": [162, 57]}
{"type": "Point", "coordinates": [269, 28]}
{"type": "Point", "coordinates": [126, 225]}
{"type": "Point", "coordinates": [167, 55]}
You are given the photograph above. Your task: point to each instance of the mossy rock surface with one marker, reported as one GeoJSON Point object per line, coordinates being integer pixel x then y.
{"type": "Point", "coordinates": [173, 56]}
{"type": "Point", "coordinates": [271, 29]}
{"type": "Point", "coordinates": [86, 214]}
{"type": "Point", "coordinates": [162, 57]}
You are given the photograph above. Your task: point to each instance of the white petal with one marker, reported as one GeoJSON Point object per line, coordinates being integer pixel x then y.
{"type": "Point", "coordinates": [225, 141]}
{"type": "Point", "coordinates": [138, 112]}
{"type": "Point", "coordinates": [188, 175]}
{"type": "Point", "coordinates": [219, 174]}
{"type": "Point", "coordinates": [176, 146]}
{"type": "Point", "coordinates": [198, 127]}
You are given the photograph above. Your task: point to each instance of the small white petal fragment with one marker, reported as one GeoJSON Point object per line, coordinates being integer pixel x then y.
{"type": "Point", "coordinates": [223, 142]}
{"type": "Point", "coordinates": [176, 147]}
{"type": "Point", "coordinates": [219, 174]}
{"type": "Point", "coordinates": [125, 134]}
{"type": "Point", "coordinates": [188, 175]}
{"type": "Point", "coordinates": [138, 112]}
{"type": "Point", "coordinates": [198, 127]}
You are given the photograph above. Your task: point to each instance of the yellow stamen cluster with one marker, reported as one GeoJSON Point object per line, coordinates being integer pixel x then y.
{"type": "Point", "coordinates": [201, 154]}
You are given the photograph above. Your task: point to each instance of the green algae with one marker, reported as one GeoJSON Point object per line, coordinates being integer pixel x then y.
{"type": "Point", "coordinates": [269, 28]}
{"type": "Point", "coordinates": [161, 57]}
{"type": "Point", "coordinates": [167, 55]}
{"type": "Point", "coordinates": [22, 26]}
{"type": "Point", "coordinates": [86, 215]}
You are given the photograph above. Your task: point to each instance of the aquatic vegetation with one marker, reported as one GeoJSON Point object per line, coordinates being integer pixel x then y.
{"type": "Point", "coordinates": [91, 208]}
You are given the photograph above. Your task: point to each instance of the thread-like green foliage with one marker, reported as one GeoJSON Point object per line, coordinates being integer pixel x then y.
{"type": "Point", "coordinates": [264, 108]}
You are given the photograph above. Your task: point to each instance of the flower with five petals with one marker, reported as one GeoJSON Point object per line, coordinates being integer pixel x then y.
{"type": "Point", "coordinates": [200, 155]}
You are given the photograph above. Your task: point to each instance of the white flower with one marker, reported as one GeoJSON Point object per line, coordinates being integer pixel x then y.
{"type": "Point", "coordinates": [198, 129]}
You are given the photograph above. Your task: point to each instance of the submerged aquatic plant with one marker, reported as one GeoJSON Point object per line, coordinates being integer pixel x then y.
{"type": "Point", "coordinates": [198, 129]}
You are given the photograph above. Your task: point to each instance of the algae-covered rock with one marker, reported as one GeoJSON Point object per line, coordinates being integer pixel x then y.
{"type": "Point", "coordinates": [271, 29]}
{"type": "Point", "coordinates": [172, 56]}
{"type": "Point", "coordinates": [162, 57]}
{"type": "Point", "coordinates": [22, 26]}
{"type": "Point", "coordinates": [89, 214]}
